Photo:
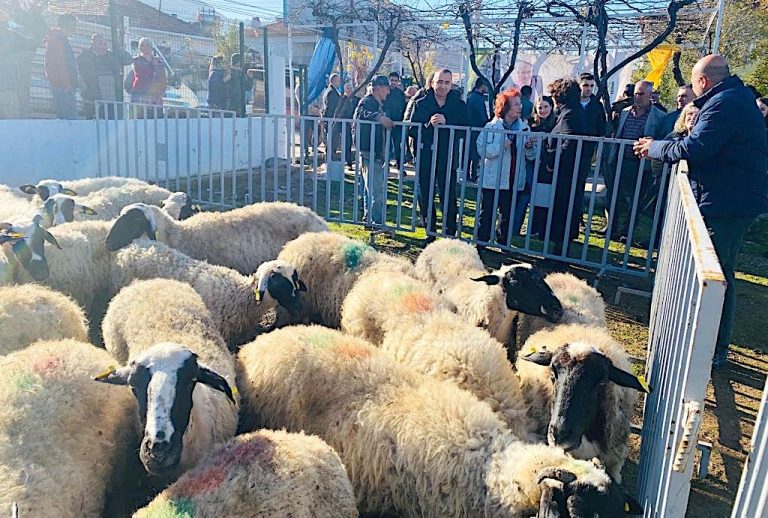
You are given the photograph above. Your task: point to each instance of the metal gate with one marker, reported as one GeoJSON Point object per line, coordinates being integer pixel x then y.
{"type": "Point", "coordinates": [685, 316]}
{"type": "Point", "coordinates": [752, 498]}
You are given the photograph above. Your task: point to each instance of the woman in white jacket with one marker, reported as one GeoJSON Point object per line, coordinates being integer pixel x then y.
{"type": "Point", "coordinates": [505, 151]}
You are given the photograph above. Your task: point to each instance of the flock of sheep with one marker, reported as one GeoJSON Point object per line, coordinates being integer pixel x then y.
{"type": "Point", "coordinates": [256, 364]}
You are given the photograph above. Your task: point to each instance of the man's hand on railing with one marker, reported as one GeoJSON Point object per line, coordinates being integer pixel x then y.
{"type": "Point", "coordinates": [437, 119]}
{"type": "Point", "coordinates": [642, 146]}
{"type": "Point", "coordinates": [386, 122]}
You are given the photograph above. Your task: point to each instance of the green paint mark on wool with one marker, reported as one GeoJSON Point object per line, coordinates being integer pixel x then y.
{"type": "Point", "coordinates": [403, 289]}
{"type": "Point", "coordinates": [320, 339]}
{"type": "Point", "coordinates": [454, 250]}
{"type": "Point", "coordinates": [174, 508]}
{"type": "Point", "coordinates": [353, 254]}
{"type": "Point", "coordinates": [573, 299]}
{"type": "Point", "coordinates": [24, 381]}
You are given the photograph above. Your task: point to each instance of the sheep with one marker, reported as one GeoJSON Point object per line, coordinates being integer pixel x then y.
{"type": "Point", "coordinates": [582, 304]}
{"type": "Point", "coordinates": [416, 327]}
{"type": "Point", "coordinates": [64, 440]}
{"type": "Point", "coordinates": [564, 376]}
{"type": "Point", "coordinates": [236, 302]}
{"type": "Point", "coordinates": [264, 473]}
{"type": "Point", "coordinates": [241, 239]}
{"type": "Point", "coordinates": [46, 188]}
{"type": "Point", "coordinates": [455, 268]}
{"type": "Point", "coordinates": [173, 356]}
{"type": "Point", "coordinates": [412, 445]}
{"type": "Point", "coordinates": [15, 206]}
{"type": "Point", "coordinates": [30, 312]}
{"type": "Point", "coordinates": [179, 206]}
{"type": "Point", "coordinates": [330, 264]}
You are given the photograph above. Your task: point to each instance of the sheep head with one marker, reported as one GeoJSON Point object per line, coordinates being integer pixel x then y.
{"type": "Point", "coordinates": [61, 208]}
{"type": "Point", "coordinates": [29, 251]}
{"type": "Point", "coordinates": [525, 291]}
{"type": "Point", "coordinates": [279, 280]}
{"type": "Point", "coordinates": [163, 380]}
{"type": "Point", "coordinates": [135, 220]}
{"type": "Point", "coordinates": [579, 373]}
{"type": "Point", "coordinates": [46, 189]}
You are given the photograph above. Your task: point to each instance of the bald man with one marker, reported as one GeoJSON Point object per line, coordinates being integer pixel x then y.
{"type": "Point", "coordinates": [727, 156]}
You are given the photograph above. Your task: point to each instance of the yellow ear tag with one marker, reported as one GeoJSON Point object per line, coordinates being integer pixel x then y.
{"type": "Point", "coordinates": [235, 392]}
{"type": "Point", "coordinates": [644, 384]}
{"type": "Point", "coordinates": [103, 374]}
{"type": "Point", "coordinates": [533, 350]}
{"type": "Point", "coordinates": [258, 296]}
{"type": "Point", "coordinates": [626, 507]}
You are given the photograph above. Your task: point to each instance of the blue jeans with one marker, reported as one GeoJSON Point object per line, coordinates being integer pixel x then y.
{"type": "Point", "coordinates": [64, 103]}
{"type": "Point", "coordinates": [375, 185]}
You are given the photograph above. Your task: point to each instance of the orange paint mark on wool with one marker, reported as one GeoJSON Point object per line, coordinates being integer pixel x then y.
{"type": "Point", "coordinates": [417, 302]}
{"type": "Point", "coordinates": [47, 365]}
{"type": "Point", "coordinates": [211, 475]}
{"type": "Point", "coordinates": [352, 349]}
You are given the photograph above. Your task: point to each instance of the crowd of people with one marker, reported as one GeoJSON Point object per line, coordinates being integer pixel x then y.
{"type": "Point", "coordinates": [719, 125]}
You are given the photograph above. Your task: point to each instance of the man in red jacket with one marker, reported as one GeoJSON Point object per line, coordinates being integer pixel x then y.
{"type": "Point", "coordinates": [61, 67]}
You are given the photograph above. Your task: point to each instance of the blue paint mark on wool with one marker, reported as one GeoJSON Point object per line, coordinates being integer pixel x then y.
{"type": "Point", "coordinates": [353, 254]}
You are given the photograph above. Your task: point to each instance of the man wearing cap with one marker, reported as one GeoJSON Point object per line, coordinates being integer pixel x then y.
{"type": "Point", "coordinates": [440, 107]}
{"type": "Point", "coordinates": [370, 113]}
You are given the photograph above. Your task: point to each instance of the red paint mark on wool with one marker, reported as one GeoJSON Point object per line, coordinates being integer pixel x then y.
{"type": "Point", "coordinates": [46, 366]}
{"type": "Point", "coordinates": [352, 349]}
{"type": "Point", "coordinates": [417, 302]}
{"type": "Point", "coordinates": [211, 475]}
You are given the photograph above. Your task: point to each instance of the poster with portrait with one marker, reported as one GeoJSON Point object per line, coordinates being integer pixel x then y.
{"type": "Point", "coordinates": [539, 70]}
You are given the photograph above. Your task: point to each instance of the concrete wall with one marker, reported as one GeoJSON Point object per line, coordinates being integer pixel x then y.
{"type": "Point", "coordinates": [34, 150]}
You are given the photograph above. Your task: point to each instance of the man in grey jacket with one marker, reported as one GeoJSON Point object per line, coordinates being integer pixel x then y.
{"type": "Point", "coordinates": [639, 120]}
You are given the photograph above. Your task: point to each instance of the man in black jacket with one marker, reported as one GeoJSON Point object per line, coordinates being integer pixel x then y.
{"type": "Point", "coordinates": [727, 158]}
{"type": "Point", "coordinates": [477, 117]}
{"type": "Point", "coordinates": [370, 113]}
{"type": "Point", "coordinates": [394, 107]}
{"type": "Point", "coordinates": [438, 108]}
{"type": "Point", "coordinates": [594, 126]}
{"type": "Point", "coordinates": [331, 98]}
{"type": "Point", "coordinates": [684, 96]}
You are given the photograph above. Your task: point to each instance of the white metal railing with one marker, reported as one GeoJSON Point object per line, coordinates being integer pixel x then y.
{"type": "Point", "coordinates": [752, 498]}
{"type": "Point", "coordinates": [685, 316]}
{"type": "Point", "coordinates": [225, 161]}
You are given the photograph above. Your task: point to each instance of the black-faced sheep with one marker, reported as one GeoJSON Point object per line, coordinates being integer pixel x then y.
{"type": "Point", "coordinates": [64, 439]}
{"type": "Point", "coordinates": [582, 304]}
{"type": "Point", "coordinates": [238, 303]}
{"type": "Point", "coordinates": [261, 474]}
{"type": "Point", "coordinates": [579, 388]}
{"type": "Point", "coordinates": [241, 239]}
{"type": "Point", "coordinates": [458, 273]}
{"type": "Point", "coordinates": [29, 312]}
{"type": "Point", "coordinates": [179, 369]}
{"type": "Point", "coordinates": [412, 445]}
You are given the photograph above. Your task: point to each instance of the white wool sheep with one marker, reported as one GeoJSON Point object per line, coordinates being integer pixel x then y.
{"type": "Point", "coordinates": [14, 206]}
{"type": "Point", "coordinates": [588, 408]}
{"type": "Point", "coordinates": [179, 206]}
{"type": "Point", "coordinates": [491, 301]}
{"type": "Point", "coordinates": [412, 324]}
{"type": "Point", "coordinates": [29, 312]}
{"type": "Point", "coordinates": [78, 267]}
{"type": "Point", "coordinates": [233, 299]}
{"type": "Point", "coordinates": [329, 264]}
{"type": "Point", "coordinates": [261, 474]}
{"type": "Point", "coordinates": [413, 446]}
{"type": "Point", "coordinates": [105, 204]}
{"type": "Point", "coordinates": [84, 186]}
{"type": "Point", "coordinates": [175, 358]}
{"type": "Point", "coordinates": [241, 238]}
{"type": "Point", "coordinates": [63, 437]}
{"type": "Point", "coordinates": [582, 304]}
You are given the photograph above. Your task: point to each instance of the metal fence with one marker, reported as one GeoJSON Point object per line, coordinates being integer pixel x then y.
{"type": "Point", "coordinates": [563, 187]}
{"type": "Point", "coordinates": [685, 315]}
{"type": "Point", "coordinates": [752, 498]}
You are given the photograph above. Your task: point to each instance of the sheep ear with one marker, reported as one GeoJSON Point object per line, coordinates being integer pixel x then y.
{"type": "Point", "coordinates": [114, 376]}
{"type": "Point", "coordinates": [49, 237]}
{"type": "Point", "coordinates": [68, 192]}
{"type": "Point", "coordinates": [490, 279]}
{"type": "Point", "coordinates": [302, 286]}
{"type": "Point", "coordinates": [298, 283]}
{"type": "Point", "coordinates": [543, 358]}
{"type": "Point", "coordinates": [625, 379]}
{"type": "Point", "coordinates": [207, 377]}
{"type": "Point", "coordinates": [87, 211]}
{"type": "Point", "coordinates": [28, 189]}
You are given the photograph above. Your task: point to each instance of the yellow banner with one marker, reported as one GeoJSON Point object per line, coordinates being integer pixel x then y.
{"type": "Point", "coordinates": [659, 58]}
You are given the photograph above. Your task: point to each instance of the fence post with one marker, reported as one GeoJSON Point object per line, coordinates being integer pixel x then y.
{"type": "Point", "coordinates": [243, 70]}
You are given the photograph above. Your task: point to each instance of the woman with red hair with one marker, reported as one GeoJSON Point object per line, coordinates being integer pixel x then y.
{"type": "Point", "coordinates": [503, 147]}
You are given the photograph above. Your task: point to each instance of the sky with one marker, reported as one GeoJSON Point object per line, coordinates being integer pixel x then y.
{"type": "Point", "coordinates": [240, 9]}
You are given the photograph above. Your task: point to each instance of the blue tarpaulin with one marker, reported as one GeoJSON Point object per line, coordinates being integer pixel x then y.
{"type": "Point", "coordinates": [320, 65]}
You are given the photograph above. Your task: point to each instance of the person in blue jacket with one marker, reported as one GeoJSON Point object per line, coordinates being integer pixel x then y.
{"type": "Point", "coordinates": [727, 156]}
